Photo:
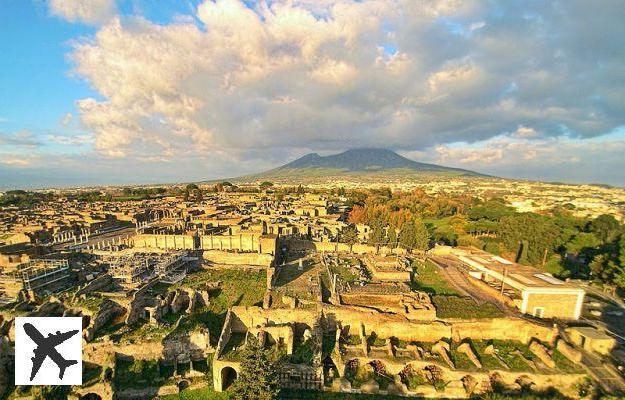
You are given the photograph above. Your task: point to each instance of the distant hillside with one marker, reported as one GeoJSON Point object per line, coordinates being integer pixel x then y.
{"type": "Point", "coordinates": [358, 162]}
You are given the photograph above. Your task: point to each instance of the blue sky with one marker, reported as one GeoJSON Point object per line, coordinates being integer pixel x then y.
{"type": "Point", "coordinates": [134, 91]}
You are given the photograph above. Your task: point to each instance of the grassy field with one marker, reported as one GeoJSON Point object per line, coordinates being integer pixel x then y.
{"type": "Point", "coordinates": [427, 278]}
{"type": "Point", "coordinates": [238, 287]}
{"type": "Point", "coordinates": [464, 307]}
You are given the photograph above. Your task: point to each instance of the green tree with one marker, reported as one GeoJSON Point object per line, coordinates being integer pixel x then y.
{"type": "Point", "coordinates": [50, 392]}
{"type": "Point", "coordinates": [605, 227]}
{"type": "Point", "coordinates": [414, 235]}
{"type": "Point", "coordinates": [377, 236]}
{"type": "Point", "coordinates": [391, 237]}
{"type": "Point", "coordinates": [533, 237]}
{"type": "Point", "coordinates": [422, 236]}
{"type": "Point", "coordinates": [621, 256]}
{"type": "Point", "coordinates": [265, 185]}
{"type": "Point", "coordinates": [349, 235]}
{"type": "Point", "coordinates": [258, 379]}
{"type": "Point", "coordinates": [582, 242]}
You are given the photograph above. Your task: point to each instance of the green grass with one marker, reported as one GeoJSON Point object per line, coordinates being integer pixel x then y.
{"type": "Point", "coordinates": [90, 302]}
{"type": "Point", "coordinates": [344, 273]}
{"type": "Point", "coordinates": [206, 393]}
{"type": "Point", "coordinates": [428, 278]}
{"type": "Point", "coordinates": [135, 374]}
{"type": "Point", "coordinates": [464, 307]}
{"type": "Point", "coordinates": [239, 287]}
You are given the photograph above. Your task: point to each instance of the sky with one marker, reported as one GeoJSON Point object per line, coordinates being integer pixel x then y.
{"type": "Point", "coordinates": [154, 91]}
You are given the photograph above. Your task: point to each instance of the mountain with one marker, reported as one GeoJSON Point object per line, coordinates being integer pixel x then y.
{"type": "Point", "coordinates": [380, 162]}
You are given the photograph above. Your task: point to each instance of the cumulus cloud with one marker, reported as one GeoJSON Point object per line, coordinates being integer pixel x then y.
{"type": "Point", "coordinates": [289, 75]}
{"type": "Point", "coordinates": [549, 158]}
{"type": "Point", "coordinates": [92, 12]}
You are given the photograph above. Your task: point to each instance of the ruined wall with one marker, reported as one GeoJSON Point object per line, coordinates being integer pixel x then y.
{"type": "Point", "coordinates": [107, 311]}
{"type": "Point", "coordinates": [232, 258]}
{"type": "Point", "coordinates": [503, 328]}
{"type": "Point", "coordinates": [173, 242]}
{"type": "Point", "coordinates": [244, 242]}
{"type": "Point", "coordinates": [298, 244]}
{"type": "Point", "coordinates": [101, 282]}
{"type": "Point", "coordinates": [240, 242]}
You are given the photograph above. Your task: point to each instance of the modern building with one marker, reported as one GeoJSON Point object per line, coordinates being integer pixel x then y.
{"type": "Point", "coordinates": [531, 290]}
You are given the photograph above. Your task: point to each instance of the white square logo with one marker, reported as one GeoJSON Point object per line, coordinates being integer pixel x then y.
{"type": "Point", "coordinates": [48, 351]}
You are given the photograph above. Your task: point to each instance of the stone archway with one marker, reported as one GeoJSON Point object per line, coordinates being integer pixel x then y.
{"type": "Point", "coordinates": [228, 376]}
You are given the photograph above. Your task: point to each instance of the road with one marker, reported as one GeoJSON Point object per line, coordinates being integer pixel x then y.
{"type": "Point", "coordinates": [604, 373]}
{"type": "Point", "coordinates": [461, 283]}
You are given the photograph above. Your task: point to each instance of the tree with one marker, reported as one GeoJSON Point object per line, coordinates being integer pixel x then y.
{"type": "Point", "coordinates": [621, 256]}
{"type": "Point", "coordinates": [605, 227]}
{"type": "Point", "coordinates": [349, 235]}
{"type": "Point", "coordinates": [50, 392]}
{"type": "Point", "coordinates": [414, 235]}
{"type": "Point", "coordinates": [221, 186]}
{"type": "Point", "coordinates": [377, 236]}
{"type": "Point", "coordinates": [191, 187]}
{"type": "Point", "coordinates": [266, 185]}
{"type": "Point", "coordinates": [407, 235]}
{"type": "Point", "coordinates": [258, 379]}
{"type": "Point", "coordinates": [582, 242]}
{"type": "Point", "coordinates": [531, 236]}
{"type": "Point", "coordinates": [357, 215]}
{"type": "Point", "coordinates": [422, 236]}
{"type": "Point", "coordinates": [391, 237]}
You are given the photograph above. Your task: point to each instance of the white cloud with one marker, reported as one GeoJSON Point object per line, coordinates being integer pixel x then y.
{"type": "Point", "coordinates": [92, 12]}
{"type": "Point", "coordinates": [525, 132]}
{"type": "Point", "coordinates": [70, 140]}
{"type": "Point", "coordinates": [21, 138]}
{"type": "Point", "coordinates": [293, 75]}
{"type": "Point", "coordinates": [67, 119]}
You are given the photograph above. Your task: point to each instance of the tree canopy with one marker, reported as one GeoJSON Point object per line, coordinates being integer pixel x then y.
{"type": "Point", "coordinates": [258, 378]}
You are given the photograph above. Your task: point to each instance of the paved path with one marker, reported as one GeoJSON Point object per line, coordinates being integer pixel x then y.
{"type": "Point", "coordinates": [607, 377]}
{"type": "Point", "coordinates": [461, 283]}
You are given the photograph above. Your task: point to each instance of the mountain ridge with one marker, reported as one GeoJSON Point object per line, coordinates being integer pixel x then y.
{"type": "Point", "coordinates": [358, 161]}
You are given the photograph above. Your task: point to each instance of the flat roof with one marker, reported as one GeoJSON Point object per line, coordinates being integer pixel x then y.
{"type": "Point", "coordinates": [518, 275]}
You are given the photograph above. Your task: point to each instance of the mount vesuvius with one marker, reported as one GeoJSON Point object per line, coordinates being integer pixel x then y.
{"type": "Point", "coordinates": [362, 161]}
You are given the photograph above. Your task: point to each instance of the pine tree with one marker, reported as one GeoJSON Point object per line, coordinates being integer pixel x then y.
{"type": "Point", "coordinates": [258, 379]}
{"type": "Point", "coordinates": [391, 237]}
{"type": "Point", "coordinates": [407, 235]}
{"type": "Point", "coordinates": [377, 236]}
{"type": "Point", "coordinates": [414, 235]}
{"type": "Point", "coordinates": [422, 236]}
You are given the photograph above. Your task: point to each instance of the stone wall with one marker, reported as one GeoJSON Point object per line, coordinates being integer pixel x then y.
{"type": "Point", "coordinates": [386, 325]}
{"type": "Point", "coordinates": [242, 242]}
{"type": "Point", "coordinates": [503, 328]}
{"type": "Point", "coordinates": [107, 311]}
{"type": "Point", "coordinates": [101, 282]}
{"type": "Point", "coordinates": [233, 258]}
{"type": "Point", "coordinates": [168, 242]}
{"type": "Point", "coordinates": [298, 244]}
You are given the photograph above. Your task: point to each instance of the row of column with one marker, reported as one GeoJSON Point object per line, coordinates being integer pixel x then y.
{"type": "Point", "coordinates": [66, 236]}
{"type": "Point", "coordinates": [104, 244]}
